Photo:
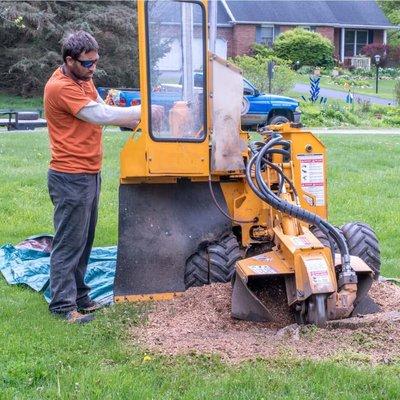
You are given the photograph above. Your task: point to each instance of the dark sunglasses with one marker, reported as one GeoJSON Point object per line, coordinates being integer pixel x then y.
{"type": "Point", "coordinates": [87, 63]}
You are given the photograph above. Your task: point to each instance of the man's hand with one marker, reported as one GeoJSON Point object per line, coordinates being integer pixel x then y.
{"type": "Point", "coordinates": [112, 98]}
{"type": "Point", "coordinates": [157, 116]}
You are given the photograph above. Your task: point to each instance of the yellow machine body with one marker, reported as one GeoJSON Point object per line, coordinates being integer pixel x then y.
{"type": "Point", "coordinates": [167, 213]}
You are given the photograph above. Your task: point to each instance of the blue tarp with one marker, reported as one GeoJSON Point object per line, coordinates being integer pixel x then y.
{"type": "Point", "coordinates": [29, 263]}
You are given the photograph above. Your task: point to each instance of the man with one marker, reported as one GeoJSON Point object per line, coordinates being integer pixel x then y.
{"type": "Point", "coordinates": [75, 113]}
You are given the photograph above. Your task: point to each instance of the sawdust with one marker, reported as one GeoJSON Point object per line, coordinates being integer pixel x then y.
{"type": "Point", "coordinates": [199, 322]}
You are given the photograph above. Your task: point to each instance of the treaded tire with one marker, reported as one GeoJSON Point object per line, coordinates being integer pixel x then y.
{"type": "Point", "coordinates": [214, 263]}
{"type": "Point", "coordinates": [363, 243]}
{"type": "Point", "coordinates": [323, 238]}
{"type": "Point", "coordinates": [278, 120]}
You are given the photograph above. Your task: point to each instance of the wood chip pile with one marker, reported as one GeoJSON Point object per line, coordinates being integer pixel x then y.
{"type": "Point", "coordinates": [200, 322]}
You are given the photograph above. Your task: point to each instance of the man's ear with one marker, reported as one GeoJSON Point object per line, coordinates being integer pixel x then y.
{"type": "Point", "coordinates": [69, 61]}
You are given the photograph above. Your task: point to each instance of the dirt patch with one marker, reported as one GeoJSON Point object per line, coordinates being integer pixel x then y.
{"type": "Point", "coordinates": [200, 322]}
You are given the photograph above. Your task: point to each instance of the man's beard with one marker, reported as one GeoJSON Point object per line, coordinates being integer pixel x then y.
{"type": "Point", "coordinates": [80, 77]}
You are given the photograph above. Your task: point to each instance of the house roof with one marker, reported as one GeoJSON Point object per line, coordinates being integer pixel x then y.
{"type": "Point", "coordinates": [338, 13]}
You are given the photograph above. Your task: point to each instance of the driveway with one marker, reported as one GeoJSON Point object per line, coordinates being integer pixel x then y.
{"type": "Point", "coordinates": [341, 95]}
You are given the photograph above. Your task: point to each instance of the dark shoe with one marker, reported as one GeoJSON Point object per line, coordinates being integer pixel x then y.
{"type": "Point", "coordinates": [75, 317]}
{"type": "Point", "coordinates": [89, 307]}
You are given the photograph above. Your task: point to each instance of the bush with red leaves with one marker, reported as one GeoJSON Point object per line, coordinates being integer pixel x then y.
{"type": "Point", "coordinates": [390, 55]}
{"type": "Point", "coordinates": [372, 49]}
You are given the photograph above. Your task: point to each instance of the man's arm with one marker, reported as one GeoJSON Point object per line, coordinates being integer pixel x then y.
{"type": "Point", "coordinates": [103, 114]}
{"type": "Point", "coordinates": [99, 99]}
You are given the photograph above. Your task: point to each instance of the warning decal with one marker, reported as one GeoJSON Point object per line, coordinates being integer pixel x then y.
{"type": "Point", "coordinates": [260, 270]}
{"type": "Point", "coordinates": [301, 242]}
{"type": "Point", "coordinates": [318, 270]}
{"type": "Point", "coordinates": [262, 257]}
{"type": "Point", "coordinates": [312, 176]}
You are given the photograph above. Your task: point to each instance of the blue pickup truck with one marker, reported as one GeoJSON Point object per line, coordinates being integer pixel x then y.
{"type": "Point", "coordinates": [261, 109]}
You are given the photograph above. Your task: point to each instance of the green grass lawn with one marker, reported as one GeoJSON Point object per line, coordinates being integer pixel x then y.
{"type": "Point", "coordinates": [385, 87]}
{"type": "Point", "coordinates": [43, 358]}
{"type": "Point", "coordinates": [8, 101]}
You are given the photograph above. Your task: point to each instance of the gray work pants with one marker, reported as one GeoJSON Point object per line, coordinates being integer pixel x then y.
{"type": "Point", "coordinates": [75, 198]}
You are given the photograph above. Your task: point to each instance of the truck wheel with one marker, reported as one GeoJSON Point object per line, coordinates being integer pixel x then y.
{"type": "Point", "coordinates": [363, 243]}
{"type": "Point", "coordinates": [278, 120]}
{"type": "Point", "coordinates": [245, 106]}
{"type": "Point", "coordinates": [214, 263]}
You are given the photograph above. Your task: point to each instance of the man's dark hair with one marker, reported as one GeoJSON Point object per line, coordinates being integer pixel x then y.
{"type": "Point", "coordinates": [76, 43]}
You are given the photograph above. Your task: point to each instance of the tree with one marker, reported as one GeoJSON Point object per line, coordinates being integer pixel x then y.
{"type": "Point", "coordinates": [309, 48]}
{"type": "Point", "coordinates": [255, 70]}
{"type": "Point", "coordinates": [31, 31]}
{"type": "Point", "coordinates": [391, 9]}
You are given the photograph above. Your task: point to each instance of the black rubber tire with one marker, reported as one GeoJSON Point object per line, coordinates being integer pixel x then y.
{"type": "Point", "coordinates": [214, 263]}
{"type": "Point", "coordinates": [323, 238]}
{"type": "Point", "coordinates": [363, 242]}
{"type": "Point", "coordinates": [278, 120]}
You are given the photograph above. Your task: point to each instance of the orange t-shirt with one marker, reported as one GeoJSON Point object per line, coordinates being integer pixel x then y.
{"type": "Point", "coordinates": [76, 145]}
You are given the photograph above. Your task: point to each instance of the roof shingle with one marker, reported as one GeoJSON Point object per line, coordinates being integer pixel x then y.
{"type": "Point", "coordinates": [312, 12]}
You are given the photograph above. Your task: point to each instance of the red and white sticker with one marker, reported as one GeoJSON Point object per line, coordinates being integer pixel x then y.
{"type": "Point", "coordinates": [312, 176]}
{"type": "Point", "coordinates": [318, 270]}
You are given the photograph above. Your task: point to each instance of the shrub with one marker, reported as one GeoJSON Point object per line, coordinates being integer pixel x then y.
{"type": "Point", "coordinates": [388, 73]}
{"type": "Point", "coordinates": [364, 73]}
{"type": "Point", "coordinates": [309, 48]}
{"type": "Point", "coordinates": [392, 117]}
{"type": "Point", "coordinates": [365, 105]}
{"type": "Point", "coordinates": [255, 70]}
{"type": "Point", "coordinates": [372, 49]}
{"type": "Point", "coordinates": [305, 70]}
{"type": "Point", "coordinates": [284, 79]}
{"type": "Point", "coordinates": [351, 81]}
{"type": "Point", "coordinates": [339, 114]}
{"type": "Point", "coordinates": [262, 51]}
{"type": "Point", "coordinates": [394, 55]}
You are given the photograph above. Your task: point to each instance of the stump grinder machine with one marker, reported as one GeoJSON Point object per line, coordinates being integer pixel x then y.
{"type": "Point", "coordinates": [201, 201]}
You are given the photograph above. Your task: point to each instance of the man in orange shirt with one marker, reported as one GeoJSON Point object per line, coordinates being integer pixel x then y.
{"type": "Point", "coordinates": [75, 113]}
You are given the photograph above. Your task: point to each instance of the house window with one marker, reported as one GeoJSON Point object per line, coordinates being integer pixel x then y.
{"type": "Point", "coordinates": [308, 27]}
{"type": "Point", "coordinates": [354, 41]}
{"type": "Point", "coordinates": [265, 35]}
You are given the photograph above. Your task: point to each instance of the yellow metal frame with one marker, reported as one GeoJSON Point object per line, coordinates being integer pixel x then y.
{"type": "Point", "coordinates": [244, 205]}
{"type": "Point", "coordinates": [147, 297]}
{"type": "Point", "coordinates": [143, 159]}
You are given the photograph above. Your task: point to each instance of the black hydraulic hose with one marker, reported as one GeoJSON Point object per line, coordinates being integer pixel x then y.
{"type": "Point", "coordinates": [330, 240]}
{"type": "Point", "coordinates": [291, 209]}
{"type": "Point", "coordinates": [283, 176]}
{"type": "Point", "coordinates": [222, 211]}
{"type": "Point", "coordinates": [263, 191]}
{"type": "Point", "coordinates": [287, 207]}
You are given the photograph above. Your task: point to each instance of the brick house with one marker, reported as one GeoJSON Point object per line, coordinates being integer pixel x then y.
{"type": "Point", "coordinates": [348, 24]}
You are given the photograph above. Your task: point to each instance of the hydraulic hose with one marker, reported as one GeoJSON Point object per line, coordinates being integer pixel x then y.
{"type": "Point", "coordinates": [262, 153]}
